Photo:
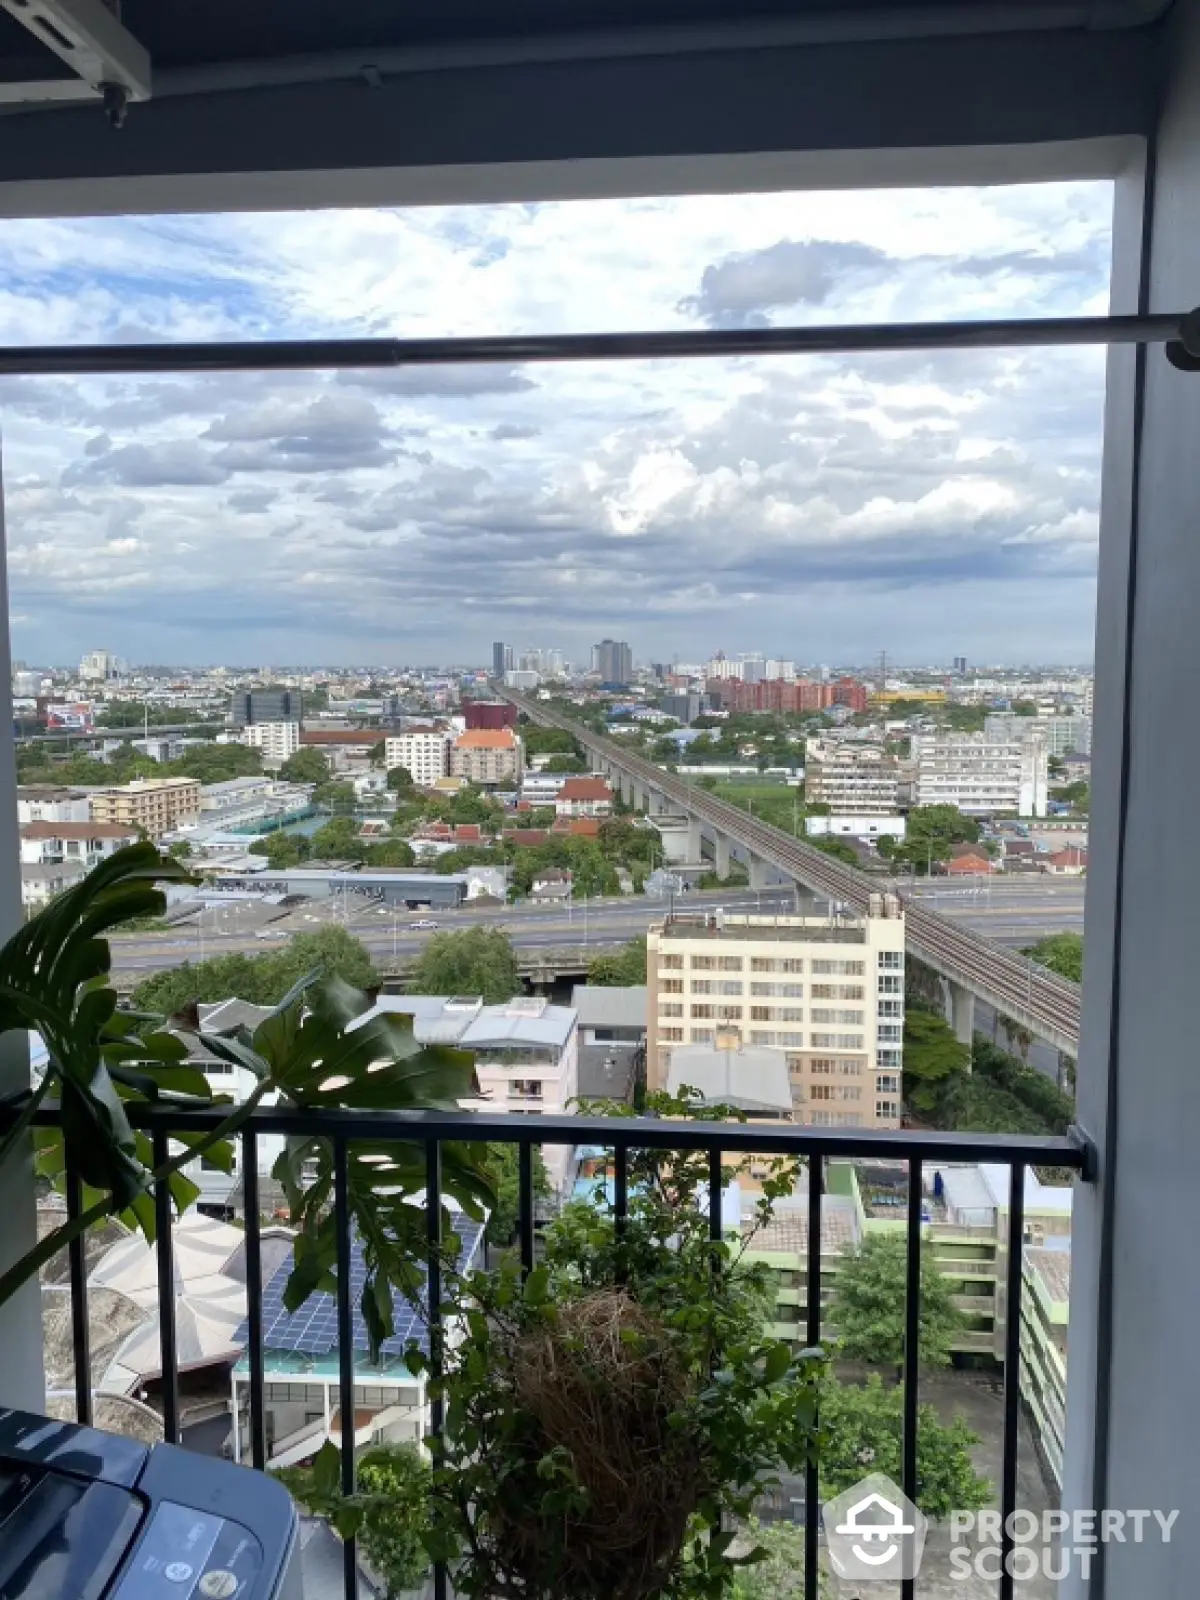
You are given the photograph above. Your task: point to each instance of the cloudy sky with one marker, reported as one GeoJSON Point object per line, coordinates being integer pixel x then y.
{"type": "Point", "coordinates": [819, 509]}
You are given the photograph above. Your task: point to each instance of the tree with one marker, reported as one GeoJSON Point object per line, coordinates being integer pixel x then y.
{"type": "Point", "coordinates": [933, 1058]}
{"type": "Point", "coordinates": [181, 849]}
{"type": "Point", "coordinates": [262, 980]}
{"type": "Point", "coordinates": [621, 968]}
{"type": "Point", "coordinates": [478, 961]}
{"type": "Point", "coordinates": [306, 766]}
{"type": "Point", "coordinates": [863, 1426]}
{"type": "Point", "coordinates": [339, 840]}
{"type": "Point", "coordinates": [400, 780]}
{"type": "Point", "coordinates": [283, 849]}
{"type": "Point", "coordinates": [930, 835]}
{"type": "Point", "coordinates": [837, 848]}
{"type": "Point", "coordinates": [377, 753]}
{"type": "Point", "coordinates": [392, 1492]}
{"type": "Point", "coordinates": [504, 1171]}
{"type": "Point", "coordinates": [215, 763]}
{"type": "Point", "coordinates": [868, 1304]}
{"type": "Point", "coordinates": [390, 853]}
{"type": "Point", "coordinates": [1062, 953]}
{"type": "Point", "coordinates": [335, 795]}
{"type": "Point", "coordinates": [565, 763]}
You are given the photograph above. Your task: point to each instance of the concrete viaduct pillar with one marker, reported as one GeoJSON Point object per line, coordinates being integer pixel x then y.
{"type": "Point", "coordinates": [760, 873]}
{"type": "Point", "coordinates": [694, 848]}
{"type": "Point", "coordinates": [961, 1013]}
{"type": "Point", "coordinates": [721, 855]}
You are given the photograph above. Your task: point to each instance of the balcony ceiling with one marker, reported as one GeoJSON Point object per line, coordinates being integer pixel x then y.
{"type": "Point", "coordinates": [464, 87]}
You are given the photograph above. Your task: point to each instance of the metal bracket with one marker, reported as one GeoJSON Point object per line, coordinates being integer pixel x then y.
{"type": "Point", "coordinates": [108, 63]}
{"type": "Point", "coordinates": [1184, 353]}
{"type": "Point", "coordinates": [1089, 1169]}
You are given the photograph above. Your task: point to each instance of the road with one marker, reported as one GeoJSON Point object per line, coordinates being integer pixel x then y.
{"type": "Point", "coordinates": [1013, 914]}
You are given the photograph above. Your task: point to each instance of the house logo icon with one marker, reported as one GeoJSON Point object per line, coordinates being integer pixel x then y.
{"type": "Point", "coordinates": [874, 1531]}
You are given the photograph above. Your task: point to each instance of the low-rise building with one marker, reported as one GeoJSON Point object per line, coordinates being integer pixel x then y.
{"type": "Point", "coordinates": [980, 776]}
{"type": "Point", "coordinates": [157, 806]}
{"type": "Point", "coordinates": [827, 994]}
{"type": "Point", "coordinates": [1062, 736]}
{"type": "Point", "coordinates": [584, 797]}
{"type": "Point", "coordinates": [1045, 1306]}
{"type": "Point", "coordinates": [552, 884]}
{"type": "Point", "coordinates": [276, 740]}
{"type": "Point", "coordinates": [85, 842]}
{"type": "Point", "coordinates": [1069, 862]}
{"type": "Point", "coordinates": [488, 757]}
{"type": "Point", "coordinates": [47, 802]}
{"type": "Point", "coordinates": [41, 882]}
{"type": "Point", "coordinates": [855, 827]}
{"type": "Point", "coordinates": [852, 779]}
{"type": "Point", "coordinates": [425, 752]}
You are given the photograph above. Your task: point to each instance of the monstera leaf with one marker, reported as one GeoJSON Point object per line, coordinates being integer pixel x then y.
{"type": "Point", "coordinates": [317, 1052]}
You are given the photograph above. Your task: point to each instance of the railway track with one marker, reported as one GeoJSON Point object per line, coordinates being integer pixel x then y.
{"type": "Point", "coordinates": [1041, 1001]}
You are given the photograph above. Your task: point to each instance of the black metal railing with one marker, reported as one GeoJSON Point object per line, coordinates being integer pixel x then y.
{"type": "Point", "coordinates": [618, 1135]}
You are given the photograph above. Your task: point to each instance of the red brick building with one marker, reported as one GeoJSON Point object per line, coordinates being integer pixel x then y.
{"type": "Point", "coordinates": [488, 715]}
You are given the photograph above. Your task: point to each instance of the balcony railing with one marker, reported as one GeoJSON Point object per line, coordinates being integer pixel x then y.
{"type": "Point", "coordinates": [620, 1136]}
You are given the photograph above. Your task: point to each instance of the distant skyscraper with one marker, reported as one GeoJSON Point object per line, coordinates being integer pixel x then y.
{"type": "Point", "coordinates": [249, 706]}
{"type": "Point", "coordinates": [960, 665]}
{"type": "Point", "coordinates": [613, 660]}
{"type": "Point", "coordinates": [501, 659]}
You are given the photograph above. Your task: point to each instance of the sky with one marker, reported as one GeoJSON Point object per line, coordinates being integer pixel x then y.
{"type": "Point", "coordinates": [818, 509]}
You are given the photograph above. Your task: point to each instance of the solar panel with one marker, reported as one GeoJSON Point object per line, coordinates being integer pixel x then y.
{"type": "Point", "coordinates": [313, 1330]}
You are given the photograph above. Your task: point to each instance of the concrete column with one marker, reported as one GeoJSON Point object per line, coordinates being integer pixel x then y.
{"type": "Point", "coordinates": [721, 855]}
{"type": "Point", "coordinates": [22, 1376]}
{"type": "Point", "coordinates": [962, 1013]}
{"type": "Point", "coordinates": [694, 847]}
{"type": "Point", "coordinates": [1133, 1400]}
{"type": "Point", "coordinates": [760, 873]}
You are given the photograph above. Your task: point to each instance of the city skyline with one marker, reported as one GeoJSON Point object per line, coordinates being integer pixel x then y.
{"type": "Point", "coordinates": [926, 504]}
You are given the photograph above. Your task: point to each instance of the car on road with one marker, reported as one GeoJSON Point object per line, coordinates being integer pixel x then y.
{"type": "Point", "coordinates": [423, 924]}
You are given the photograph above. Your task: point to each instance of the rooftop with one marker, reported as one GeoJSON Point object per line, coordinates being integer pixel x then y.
{"type": "Point", "coordinates": [787, 1232]}
{"type": "Point", "coordinates": [767, 930]}
{"type": "Point", "coordinates": [465, 1021]}
{"type": "Point", "coordinates": [76, 830]}
{"type": "Point", "coordinates": [487, 739]}
{"type": "Point", "coordinates": [752, 1078]}
{"type": "Point", "coordinates": [598, 1006]}
{"type": "Point", "coordinates": [585, 789]}
{"type": "Point", "coordinates": [1053, 1267]}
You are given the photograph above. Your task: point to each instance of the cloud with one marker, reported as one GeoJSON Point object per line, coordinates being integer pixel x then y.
{"type": "Point", "coordinates": [148, 466]}
{"type": "Point", "coordinates": [504, 431]}
{"type": "Point", "coordinates": [738, 291]}
{"type": "Point", "coordinates": [439, 382]}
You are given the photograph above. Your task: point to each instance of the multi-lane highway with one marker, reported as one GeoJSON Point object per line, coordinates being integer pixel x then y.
{"type": "Point", "coordinates": [1013, 914]}
{"type": "Point", "coordinates": [1039, 1000]}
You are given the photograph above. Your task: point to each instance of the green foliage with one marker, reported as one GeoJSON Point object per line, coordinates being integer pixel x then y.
{"type": "Point", "coordinates": [181, 849]}
{"type": "Point", "coordinates": [388, 1513]}
{"type": "Point", "coordinates": [305, 1054]}
{"type": "Point", "coordinates": [539, 741]}
{"type": "Point", "coordinates": [933, 1060]}
{"type": "Point", "coordinates": [283, 849]}
{"type": "Point", "coordinates": [335, 795]}
{"type": "Point", "coordinates": [837, 848]}
{"type": "Point", "coordinates": [1043, 1098]}
{"type": "Point", "coordinates": [565, 763]}
{"type": "Point", "coordinates": [262, 980]}
{"type": "Point", "coordinates": [1062, 953]}
{"type": "Point", "coordinates": [400, 780]}
{"type": "Point", "coordinates": [686, 1383]}
{"type": "Point", "coordinates": [863, 1423]}
{"type": "Point", "coordinates": [339, 840]}
{"type": "Point", "coordinates": [476, 961]}
{"type": "Point", "coordinates": [619, 969]}
{"type": "Point", "coordinates": [467, 855]}
{"type": "Point", "coordinates": [1077, 795]}
{"type": "Point", "coordinates": [593, 872]}
{"type": "Point", "coordinates": [932, 832]}
{"type": "Point", "coordinates": [308, 765]}
{"type": "Point", "coordinates": [868, 1304]}
{"type": "Point", "coordinates": [778, 1574]}
{"type": "Point", "coordinates": [214, 763]}
{"type": "Point", "coordinates": [390, 853]}
{"type": "Point", "coordinates": [504, 1173]}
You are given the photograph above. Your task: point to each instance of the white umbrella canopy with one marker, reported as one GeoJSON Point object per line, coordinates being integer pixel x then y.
{"type": "Point", "coordinates": [205, 1324]}
{"type": "Point", "coordinates": [201, 1246]}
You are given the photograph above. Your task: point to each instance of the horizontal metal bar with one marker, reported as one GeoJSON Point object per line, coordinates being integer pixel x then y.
{"type": "Point", "coordinates": [619, 1132]}
{"type": "Point", "coordinates": [309, 355]}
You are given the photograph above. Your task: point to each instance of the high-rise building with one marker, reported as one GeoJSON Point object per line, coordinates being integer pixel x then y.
{"type": "Point", "coordinates": [502, 659]}
{"type": "Point", "coordinates": [982, 776]}
{"type": "Point", "coordinates": [827, 993]}
{"type": "Point", "coordinates": [613, 660]}
{"type": "Point", "coordinates": [960, 666]}
{"type": "Point", "coordinates": [1063, 736]}
{"type": "Point", "coordinates": [97, 666]}
{"type": "Point", "coordinates": [488, 758]}
{"type": "Point", "coordinates": [276, 740]}
{"type": "Point", "coordinates": [266, 705]}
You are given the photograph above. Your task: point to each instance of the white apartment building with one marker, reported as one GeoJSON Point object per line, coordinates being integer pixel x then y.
{"type": "Point", "coordinates": [526, 1054]}
{"type": "Point", "coordinates": [276, 740]}
{"type": "Point", "coordinates": [97, 666]}
{"type": "Point", "coordinates": [785, 670]}
{"type": "Point", "coordinates": [852, 779]}
{"type": "Point", "coordinates": [424, 751]}
{"type": "Point", "coordinates": [983, 777]}
{"type": "Point", "coordinates": [86, 842]}
{"type": "Point", "coordinates": [37, 802]}
{"type": "Point", "coordinates": [1062, 736]}
{"type": "Point", "coordinates": [827, 993]}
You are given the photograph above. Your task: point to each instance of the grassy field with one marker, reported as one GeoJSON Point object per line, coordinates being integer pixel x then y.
{"type": "Point", "coordinates": [775, 803]}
